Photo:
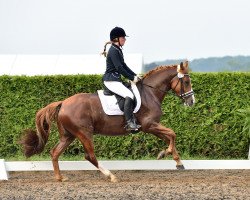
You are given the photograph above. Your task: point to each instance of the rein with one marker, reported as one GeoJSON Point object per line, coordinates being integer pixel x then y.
{"type": "Point", "coordinates": [180, 79]}
{"type": "Point", "coordinates": [153, 87]}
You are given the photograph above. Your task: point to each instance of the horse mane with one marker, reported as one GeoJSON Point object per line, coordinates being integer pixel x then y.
{"type": "Point", "coordinates": [158, 68]}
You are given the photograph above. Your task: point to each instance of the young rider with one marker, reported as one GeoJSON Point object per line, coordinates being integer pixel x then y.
{"type": "Point", "coordinates": [115, 67]}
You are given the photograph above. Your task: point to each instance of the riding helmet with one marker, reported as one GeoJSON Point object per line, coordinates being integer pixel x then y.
{"type": "Point", "coordinates": [116, 33]}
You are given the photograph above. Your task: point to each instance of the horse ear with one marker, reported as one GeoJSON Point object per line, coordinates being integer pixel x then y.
{"type": "Point", "coordinates": [186, 64]}
{"type": "Point", "coordinates": [181, 66]}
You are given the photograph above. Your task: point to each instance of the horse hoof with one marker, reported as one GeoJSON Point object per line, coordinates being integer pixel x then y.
{"type": "Point", "coordinates": [180, 167]}
{"type": "Point", "coordinates": [59, 179]}
{"type": "Point", "coordinates": [64, 179]}
{"type": "Point", "coordinates": [161, 155]}
{"type": "Point", "coordinates": [114, 179]}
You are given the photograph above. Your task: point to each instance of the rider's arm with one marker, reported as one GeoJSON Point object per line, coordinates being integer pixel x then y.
{"type": "Point", "coordinates": [120, 66]}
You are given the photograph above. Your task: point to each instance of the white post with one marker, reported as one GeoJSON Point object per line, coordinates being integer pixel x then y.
{"type": "Point", "coordinates": [3, 172]}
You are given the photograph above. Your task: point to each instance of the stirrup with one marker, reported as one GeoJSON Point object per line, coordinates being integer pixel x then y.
{"type": "Point", "coordinates": [132, 126]}
{"type": "Point", "coordinates": [129, 129]}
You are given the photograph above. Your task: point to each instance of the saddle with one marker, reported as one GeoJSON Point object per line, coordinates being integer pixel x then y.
{"type": "Point", "coordinates": [113, 104]}
{"type": "Point", "coordinates": [120, 100]}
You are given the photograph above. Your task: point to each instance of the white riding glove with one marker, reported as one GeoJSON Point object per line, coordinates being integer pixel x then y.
{"type": "Point", "coordinates": [136, 79]}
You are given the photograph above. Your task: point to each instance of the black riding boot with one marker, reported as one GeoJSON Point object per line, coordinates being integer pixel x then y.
{"type": "Point", "coordinates": [129, 116]}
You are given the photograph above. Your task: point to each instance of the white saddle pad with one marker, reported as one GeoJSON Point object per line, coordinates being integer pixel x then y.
{"type": "Point", "coordinates": [110, 105]}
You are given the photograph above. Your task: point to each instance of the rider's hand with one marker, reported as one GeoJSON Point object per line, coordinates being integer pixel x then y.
{"type": "Point", "coordinates": [136, 79]}
{"type": "Point", "coordinates": [140, 76]}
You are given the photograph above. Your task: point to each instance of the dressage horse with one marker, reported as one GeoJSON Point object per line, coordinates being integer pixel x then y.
{"type": "Point", "coordinates": [82, 115]}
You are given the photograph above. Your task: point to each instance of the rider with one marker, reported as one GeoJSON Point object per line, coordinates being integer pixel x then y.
{"type": "Point", "coordinates": [115, 67]}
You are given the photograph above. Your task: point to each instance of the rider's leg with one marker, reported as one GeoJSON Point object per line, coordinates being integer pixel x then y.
{"type": "Point", "coordinates": [129, 116]}
{"type": "Point", "coordinates": [120, 89]}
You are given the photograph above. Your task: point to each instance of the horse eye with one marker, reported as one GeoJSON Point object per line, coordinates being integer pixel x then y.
{"type": "Point", "coordinates": [187, 83]}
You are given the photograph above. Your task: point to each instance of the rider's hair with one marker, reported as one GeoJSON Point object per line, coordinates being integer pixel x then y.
{"type": "Point", "coordinates": [104, 51]}
{"type": "Point", "coordinates": [109, 42]}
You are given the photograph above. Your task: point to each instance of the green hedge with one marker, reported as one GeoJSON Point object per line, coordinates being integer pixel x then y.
{"type": "Point", "coordinates": [215, 127]}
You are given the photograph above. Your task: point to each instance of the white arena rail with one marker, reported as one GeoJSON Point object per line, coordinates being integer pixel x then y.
{"type": "Point", "coordinates": [9, 166]}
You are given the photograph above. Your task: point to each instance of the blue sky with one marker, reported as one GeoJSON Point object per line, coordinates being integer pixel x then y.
{"type": "Point", "coordinates": [159, 29]}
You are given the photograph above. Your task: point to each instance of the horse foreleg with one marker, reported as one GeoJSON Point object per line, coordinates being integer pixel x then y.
{"type": "Point", "coordinates": [108, 174]}
{"type": "Point", "coordinates": [88, 146]}
{"type": "Point", "coordinates": [56, 152]}
{"type": "Point", "coordinates": [167, 135]}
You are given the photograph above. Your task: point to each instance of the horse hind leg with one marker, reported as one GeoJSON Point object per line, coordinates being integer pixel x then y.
{"type": "Point", "coordinates": [87, 142]}
{"type": "Point", "coordinates": [65, 140]}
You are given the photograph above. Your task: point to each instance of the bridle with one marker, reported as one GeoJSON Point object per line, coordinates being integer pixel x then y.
{"type": "Point", "coordinates": [180, 80]}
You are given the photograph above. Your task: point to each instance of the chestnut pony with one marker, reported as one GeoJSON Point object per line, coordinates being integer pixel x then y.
{"type": "Point", "coordinates": [81, 115]}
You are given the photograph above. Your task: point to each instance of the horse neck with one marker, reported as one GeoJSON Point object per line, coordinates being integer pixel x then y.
{"type": "Point", "coordinates": [157, 84]}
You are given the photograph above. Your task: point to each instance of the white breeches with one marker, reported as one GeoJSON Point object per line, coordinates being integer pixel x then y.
{"type": "Point", "coordinates": [119, 88]}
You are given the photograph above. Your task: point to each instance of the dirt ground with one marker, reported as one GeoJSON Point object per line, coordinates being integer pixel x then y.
{"type": "Point", "coordinates": [169, 184]}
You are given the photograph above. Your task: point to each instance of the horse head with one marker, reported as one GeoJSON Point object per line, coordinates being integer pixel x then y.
{"type": "Point", "coordinates": [181, 84]}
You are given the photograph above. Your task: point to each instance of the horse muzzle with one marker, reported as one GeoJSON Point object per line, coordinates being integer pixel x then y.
{"type": "Point", "coordinates": [188, 98]}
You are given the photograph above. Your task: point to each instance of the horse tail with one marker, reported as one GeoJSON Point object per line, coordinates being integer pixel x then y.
{"type": "Point", "coordinates": [33, 142]}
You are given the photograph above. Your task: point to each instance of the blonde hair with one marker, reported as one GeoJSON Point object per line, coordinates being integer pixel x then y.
{"type": "Point", "coordinates": [105, 46]}
{"type": "Point", "coordinates": [104, 53]}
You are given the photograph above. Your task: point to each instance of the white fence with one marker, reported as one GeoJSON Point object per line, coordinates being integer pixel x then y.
{"type": "Point", "coordinates": [31, 65]}
{"type": "Point", "coordinates": [6, 167]}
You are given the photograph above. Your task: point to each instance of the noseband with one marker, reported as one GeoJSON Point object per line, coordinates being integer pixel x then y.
{"type": "Point", "coordinates": [180, 79]}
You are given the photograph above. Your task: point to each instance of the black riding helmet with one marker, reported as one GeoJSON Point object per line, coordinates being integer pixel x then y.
{"type": "Point", "coordinates": [116, 33]}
